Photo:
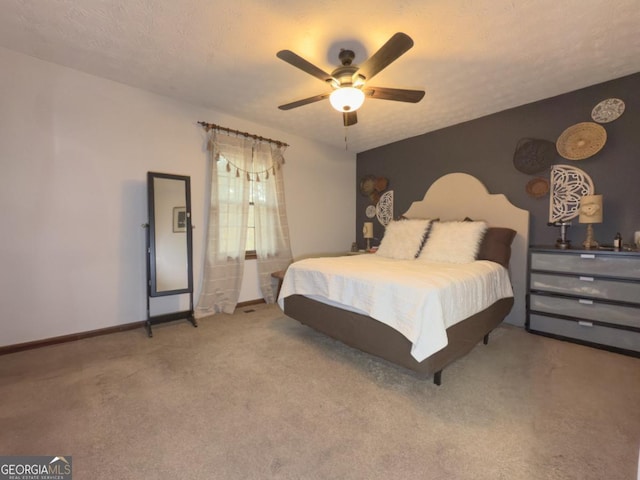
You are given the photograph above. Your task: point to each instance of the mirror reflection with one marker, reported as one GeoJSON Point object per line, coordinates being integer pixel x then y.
{"type": "Point", "coordinates": [170, 225]}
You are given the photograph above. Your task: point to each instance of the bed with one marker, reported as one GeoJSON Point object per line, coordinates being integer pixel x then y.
{"type": "Point", "coordinates": [422, 334]}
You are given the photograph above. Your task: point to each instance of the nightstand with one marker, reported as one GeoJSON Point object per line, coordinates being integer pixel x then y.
{"type": "Point", "coordinates": [590, 297]}
{"type": "Point", "coordinates": [279, 276]}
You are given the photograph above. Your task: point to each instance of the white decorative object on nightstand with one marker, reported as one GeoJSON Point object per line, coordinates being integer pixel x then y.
{"type": "Point", "coordinates": [590, 213]}
{"type": "Point", "coordinates": [367, 233]}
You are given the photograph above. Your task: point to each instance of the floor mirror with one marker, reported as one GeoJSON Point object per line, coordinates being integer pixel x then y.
{"type": "Point", "coordinates": [169, 244]}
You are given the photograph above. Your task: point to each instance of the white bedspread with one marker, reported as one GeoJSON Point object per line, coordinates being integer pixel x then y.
{"type": "Point", "coordinates": [418, 299]}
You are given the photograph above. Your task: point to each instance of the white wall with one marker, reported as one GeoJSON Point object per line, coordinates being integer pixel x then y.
{"type": "Point", "coordinates": [74, 153]}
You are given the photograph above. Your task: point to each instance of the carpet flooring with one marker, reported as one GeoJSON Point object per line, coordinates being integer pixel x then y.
{"type": "Point", "coordinates": [256, 395]}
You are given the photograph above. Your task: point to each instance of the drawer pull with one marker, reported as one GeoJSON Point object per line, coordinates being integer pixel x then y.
{"type": "Point", "coordinates": [585, 302]}
{"type": "Point", "coordinates": [587, 255]}
{"type": "Point", "coordinates": [586, 279]}
{"type": "Point", "coordinates": [582, 323]}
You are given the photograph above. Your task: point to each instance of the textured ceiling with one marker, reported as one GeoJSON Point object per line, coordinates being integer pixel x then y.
{"type": "Point", "coordinates": [473, 57]}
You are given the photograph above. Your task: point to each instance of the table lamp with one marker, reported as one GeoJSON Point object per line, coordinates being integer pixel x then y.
{"type": "Point", "coordinates": [367, 232]}
{"type": "Point", "coordinates": [590, 213]}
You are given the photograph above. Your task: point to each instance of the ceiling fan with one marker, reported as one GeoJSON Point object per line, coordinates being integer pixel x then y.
{"type": "Point", "coordinates": [349, 82]}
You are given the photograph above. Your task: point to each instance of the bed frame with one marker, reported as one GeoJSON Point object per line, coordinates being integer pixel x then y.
{"type": "Point", "coordinates": [451, 197]}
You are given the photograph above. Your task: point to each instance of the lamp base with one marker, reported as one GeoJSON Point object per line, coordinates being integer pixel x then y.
{"type": "Point", "coordinates": [562, 242]}
{"type": "Point", "coordinates": [590, 242]}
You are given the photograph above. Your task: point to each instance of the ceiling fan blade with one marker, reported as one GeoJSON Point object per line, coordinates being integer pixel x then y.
{"type": "Point", "coordinates": [349, 118]}
{"type": "Point", "coordinates": [396, 94]}
{"type": "Point", "coordinates": [389, 52]}
{"type": "Point", "coordinates": [299, 62]}
{"type": "Point", "coordinates": [304, 101]}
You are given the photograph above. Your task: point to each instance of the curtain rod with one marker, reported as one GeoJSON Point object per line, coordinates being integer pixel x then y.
{"type": "Point", "coordinates": [213, 126]}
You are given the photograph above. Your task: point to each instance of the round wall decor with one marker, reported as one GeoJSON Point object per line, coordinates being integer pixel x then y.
{"type": "Point", "coordinates": [533, 155]}
{"type": "Point", "coordinates": [581, 141]}
{"type": "Point", "coordinates": [607, 110]}
{"type": "Point", "coordinates": [367, 185]}
{"type": "Point", "coordinates": [370, 211]}
{"type": "Point", "coordinates": [537, 187]}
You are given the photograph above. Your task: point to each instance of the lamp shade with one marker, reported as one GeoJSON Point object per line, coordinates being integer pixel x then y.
{"type": "Point", "coordinates": [591, 209]}
{"type": "Point", "coordinates": [367, 230]}
{"type": "Point", "coordinates": [347, 99]}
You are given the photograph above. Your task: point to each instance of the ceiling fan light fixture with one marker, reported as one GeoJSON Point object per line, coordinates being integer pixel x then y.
{"type": "Point", "coordinates": [347, 99]}
{"type": "Point", "coordinates": [350, 82]}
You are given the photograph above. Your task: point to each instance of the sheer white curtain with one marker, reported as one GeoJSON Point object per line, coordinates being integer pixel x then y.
{"type": "Point", "coordinates": [236, 164]}
{"type": "Point", "coordinates": [273, 247]}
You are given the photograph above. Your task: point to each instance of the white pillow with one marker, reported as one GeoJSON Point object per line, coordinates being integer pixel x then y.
{"type": "Point", "coordinates": [403, 238]}
{"type": "Point", "coordinates": [453, 242]}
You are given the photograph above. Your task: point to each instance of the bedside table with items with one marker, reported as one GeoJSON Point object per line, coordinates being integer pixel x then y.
{"type": "Point", "coordinates": [590, 297]}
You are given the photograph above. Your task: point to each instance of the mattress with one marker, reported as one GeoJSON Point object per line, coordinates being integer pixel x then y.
{"type": "Point", "coordinates": [418, 299]}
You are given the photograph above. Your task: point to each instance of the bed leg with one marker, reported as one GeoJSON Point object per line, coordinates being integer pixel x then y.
{"type": "Point", "coordinates": [437, 378]}
{"type": "Point", "coordinates": [486, 339]}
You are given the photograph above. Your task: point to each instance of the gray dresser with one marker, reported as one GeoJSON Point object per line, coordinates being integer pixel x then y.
{"type": "Point", "coordinates": [590, 297]}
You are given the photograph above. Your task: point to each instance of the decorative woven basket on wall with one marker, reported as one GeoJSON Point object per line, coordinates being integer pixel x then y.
{"type": "Point", "coordinates": [533, 155]}
{"type": "Point", "coordinates": [581, 141]}
{"type": "Point", "coordinates": [537, 187]}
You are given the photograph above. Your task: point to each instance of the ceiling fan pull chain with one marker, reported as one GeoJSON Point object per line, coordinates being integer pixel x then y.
{"type": "Point", "coordinates": [346, 141]}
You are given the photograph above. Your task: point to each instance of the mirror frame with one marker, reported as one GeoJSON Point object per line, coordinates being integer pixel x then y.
{"type": "Point", "coordinates": [152, 248]}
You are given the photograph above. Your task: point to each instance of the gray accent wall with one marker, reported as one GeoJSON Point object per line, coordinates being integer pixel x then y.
{"type": "Point", "coordinates": [484, 147]}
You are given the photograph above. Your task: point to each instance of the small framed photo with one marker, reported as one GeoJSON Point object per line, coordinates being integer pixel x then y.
{"type": "Point", "coordinates": [179, 219]}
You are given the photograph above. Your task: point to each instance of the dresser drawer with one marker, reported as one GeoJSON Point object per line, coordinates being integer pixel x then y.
{"type": "Point", "coordinates": [612, 337]}
{"type": "Point", "coordinates": [620, 266]}
{"type": "Point", "coordinates": [586, 286]}
{"type": "Point", "coordinates": [586, 309]}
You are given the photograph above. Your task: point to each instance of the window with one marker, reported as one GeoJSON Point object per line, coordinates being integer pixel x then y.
{"type": "Point", "coordinates": [258, 203]}
{"type": "Point", "coordinates": [233, 201]}
{"type": "Point", "coordinates": [250, 248]}
{"type": "Point", "coordinates": [246, 211]}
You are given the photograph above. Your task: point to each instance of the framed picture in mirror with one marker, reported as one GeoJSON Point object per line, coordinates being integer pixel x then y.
{"type": "Point", "coordinates": [179, 219]}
